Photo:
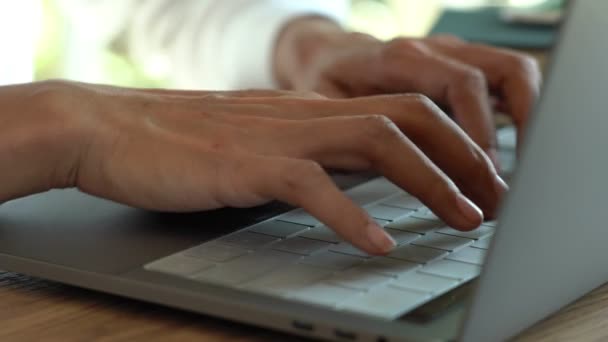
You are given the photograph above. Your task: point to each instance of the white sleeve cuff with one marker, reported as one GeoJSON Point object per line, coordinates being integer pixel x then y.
{"type": "Point", "coordinates": [248, 43]}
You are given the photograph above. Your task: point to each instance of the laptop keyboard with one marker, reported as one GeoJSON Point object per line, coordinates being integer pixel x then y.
{"type": "Point", "coordinates": [294, 256]}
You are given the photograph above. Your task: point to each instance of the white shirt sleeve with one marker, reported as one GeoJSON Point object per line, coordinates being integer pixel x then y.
{"type": "Point", "coordinates": [216, 44]}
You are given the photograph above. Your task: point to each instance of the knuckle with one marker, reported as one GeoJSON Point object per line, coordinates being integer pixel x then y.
{"type": "Point", "coordinates": [422, 111]}
{"type": "Point", "coordinates": [524, 65]}
{"type": "Point", "coordinates": [471, 78]}
{"type": "Point", "coordinates": [424, 104]}
{"type": "Point", "coordinates": [400, 46]}
{"type": "Point", "coordinates": [376, 132]}
{"type": "Point", "coordinates": [447, 38]}
{"type": "Point", "coordinates": [376, 126]}
{"type": "Point", "coordinates": [404, 44]}
{"type": "Point", "coordinates": [303, 175]}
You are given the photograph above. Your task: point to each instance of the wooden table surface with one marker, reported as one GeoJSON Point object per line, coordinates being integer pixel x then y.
{"type": "Point", "coordinates": [37, 310]}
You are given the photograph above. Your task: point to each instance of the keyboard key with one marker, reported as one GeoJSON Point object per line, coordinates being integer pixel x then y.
{"type": "Point", "coordinates": [300, 245]}
{"type": "Point", "coordinates": [452, 269]}
{"type": "Point", "coordinates": [332, 261]}
{"type": "Point", "coordinates": [490, 223]}
{"type": "Point", "coordinates": [347, 248]}
{"type": "Point", "coordinates": [388, 266]}
{"type": "Point", "coordinates": [372, 191]}
{"type": "Point", "coordinates": [384, 212]}
{"type": "Point", "coordinates": [381, 222]}
{"type": "Point", "coordinates": [508, 162]}
{"type": "Point", "coordinates": [277, 228]}
{"type": "Point", "coordinates": [483, 243]}
{"type": "Point", "coordinates": [424, 282]}
{"type": "Point", "coordinates": [178, 264]}
{"type": "Point", "coordinates": [417, 254]}
{"type": "Point", "coordinates": [300, 216]}
{"type": "Point", "coordinates": [507, 138]}
{"type": "Point", "coordinates": [402, 237]}
{"type": "Point", "coordinates": [358, 279]}
{"type": "Point", "coordinates": [322, 233]}
{"type": "Point", "coordinates": [470, 254]}
{"type": "Point", "coordinates": [214, 251]}
{"type": "Point", "coordinates": [287, 279]}
{"type": "Point", "coordinates": [425, 213]}
{"type": "Point", "coordinates": [386, 302]}
{"type": "Point", "coordinates": [247, 240]}
{"type": "Point", "coordinates": [476, 234]}
{"type": "Point", "coordinates": [442, 241]}
{"type": "Point", "coordinates": [248, 267]}
{"type": "Point", "coordinates": [414, 225]}
{"type": "Point", "coordinates": [323, 294]}
{"type": "Point", "coordinates": [404, 201]}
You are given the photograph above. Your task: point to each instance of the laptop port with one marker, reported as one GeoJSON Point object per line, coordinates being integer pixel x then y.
{"type": "Point", "coordinates": [345, 335]}
{"type": "Point", "coordinates": [303, 326]}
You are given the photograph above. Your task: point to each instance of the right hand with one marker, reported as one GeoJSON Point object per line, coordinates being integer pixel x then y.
{"type": "Point", "coordinates": [188, 150]}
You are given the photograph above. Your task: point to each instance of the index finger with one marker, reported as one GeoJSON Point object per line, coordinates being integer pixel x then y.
{"type": "Point", "coordinates": [305, 184]}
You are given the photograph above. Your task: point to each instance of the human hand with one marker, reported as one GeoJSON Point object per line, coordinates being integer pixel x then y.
{"type": "Point", "coordinates": [185, 151]}
{"type": "Point", "coordinates": [315, 54]}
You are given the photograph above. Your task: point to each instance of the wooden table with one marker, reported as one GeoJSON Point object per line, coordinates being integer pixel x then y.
{"type": "Point", "coordinates": [37, 310]}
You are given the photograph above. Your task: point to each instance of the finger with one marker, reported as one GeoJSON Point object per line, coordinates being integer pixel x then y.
{"type": "Point", "coordinates": [375, 142]}
{"type": "Point", "coordinates": [453, 151]}
{"type": "Point", "coordinates": [415, 115]}
{"type": "Point", "coordinates": [447, 81]}
{"type": "Point", "coordinates": [469, 100]}
{"type": "Point", "coordinates": [305, 184]}
{"type": "Point", "coordinates": [353, 151]}
{"type": "Point", "coordinates": [516, 76]}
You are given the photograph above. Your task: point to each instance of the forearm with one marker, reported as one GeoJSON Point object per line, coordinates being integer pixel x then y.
{"type": "Point", "coordinates": [38, 145]}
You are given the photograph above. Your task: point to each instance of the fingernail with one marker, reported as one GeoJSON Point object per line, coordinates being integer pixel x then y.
{"type": "Point", "coordinates": [501, 185]}
{"type": "Point", "coordinates": [469, 210]}
{"type": "Point", "coordinates": [380, 239]}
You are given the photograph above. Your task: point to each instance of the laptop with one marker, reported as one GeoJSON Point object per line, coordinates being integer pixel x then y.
{"type": "Point", "coordinates": [277, 267]}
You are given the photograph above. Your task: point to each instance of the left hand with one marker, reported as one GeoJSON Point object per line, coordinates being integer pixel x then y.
{"type": "Point", "coordinates": [315, 54]}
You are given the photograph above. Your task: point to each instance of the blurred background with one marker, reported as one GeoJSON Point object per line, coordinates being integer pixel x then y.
{"type": "Point", "coordinates": [57, 52]}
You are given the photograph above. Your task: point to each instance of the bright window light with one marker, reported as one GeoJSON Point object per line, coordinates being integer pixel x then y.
{"type": "Point", "coordinates": [20, 23]}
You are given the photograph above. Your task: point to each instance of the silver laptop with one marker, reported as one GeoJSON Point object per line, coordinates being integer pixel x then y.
{"type": "Point", "coordinates": [281, 269]}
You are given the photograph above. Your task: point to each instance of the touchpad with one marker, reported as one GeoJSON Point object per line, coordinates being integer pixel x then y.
{"type": "Point", "coordinates": [72, 229]}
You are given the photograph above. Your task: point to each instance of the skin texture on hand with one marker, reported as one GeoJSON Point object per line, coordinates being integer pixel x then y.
{"type": "Point", "coordinates": [315, 54]}
{"type": "Point", "coordinates": [185, 151]}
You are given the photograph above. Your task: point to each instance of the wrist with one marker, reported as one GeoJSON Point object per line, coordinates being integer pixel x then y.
{"type": "Point", "coordinates": [41, 142]}
{"type": "Point", "coordinates": [300, 42]}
